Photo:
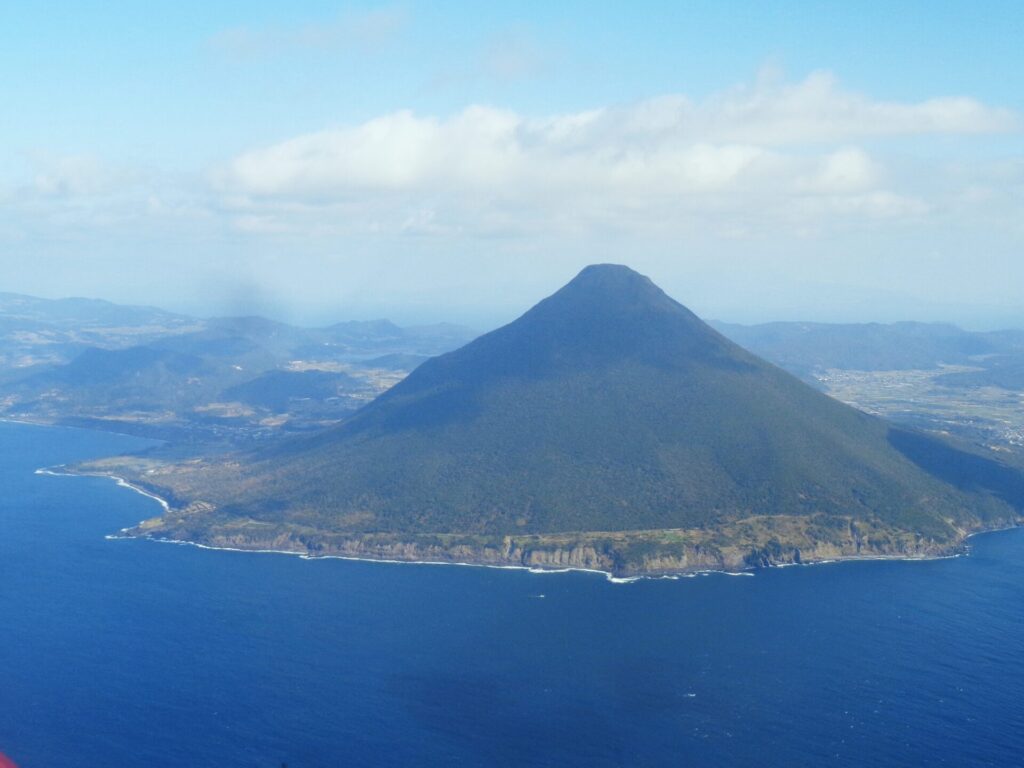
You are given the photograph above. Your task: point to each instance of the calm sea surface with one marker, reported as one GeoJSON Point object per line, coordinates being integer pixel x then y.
{"type": "Point", "coordinates": [130, 653]}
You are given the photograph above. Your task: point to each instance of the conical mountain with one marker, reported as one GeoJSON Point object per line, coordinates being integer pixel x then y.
{"type": "Point", "coordinates": [608, 427]}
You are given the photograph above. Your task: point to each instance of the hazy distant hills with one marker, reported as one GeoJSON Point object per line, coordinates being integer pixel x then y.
{"type": "Point", "coordinates": [607, 427]}
{"type": "Point", "coordinates": [804, 348]}
{"type": "Point", "coordinates": [36, 332]}
{"type": "Point", "coordinates": [144, 370]}
{"type": "Point", "coordinates": [79, 314]}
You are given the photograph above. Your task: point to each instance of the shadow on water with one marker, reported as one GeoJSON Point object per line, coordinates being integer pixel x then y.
{"type": "Point", "coordinates": [966, 471]}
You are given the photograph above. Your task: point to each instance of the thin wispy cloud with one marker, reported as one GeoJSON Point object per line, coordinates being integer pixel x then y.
{"type": "Point", "coordinates": [515, 55]}
{"type": "Point", "coordinates": [66, 176]}
{"type": "Point", "coordinates": [352, 30]}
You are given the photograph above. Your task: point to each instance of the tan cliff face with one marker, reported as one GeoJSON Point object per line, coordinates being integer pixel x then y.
{"type": "Point", "coordinates": [779, 542]}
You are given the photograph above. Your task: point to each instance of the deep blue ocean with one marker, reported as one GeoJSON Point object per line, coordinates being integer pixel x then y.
{"type": "Point", "coordinates": [133, 653]}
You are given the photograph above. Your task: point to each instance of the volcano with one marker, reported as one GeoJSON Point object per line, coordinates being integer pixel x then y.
{"type": "Point", "coordinates": [607, 427]}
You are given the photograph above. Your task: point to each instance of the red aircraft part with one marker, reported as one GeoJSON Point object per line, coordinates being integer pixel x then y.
{"type": "Point", "coordinates": [6, 762]}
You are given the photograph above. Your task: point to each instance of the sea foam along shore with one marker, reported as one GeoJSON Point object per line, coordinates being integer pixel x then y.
{"type": "Point", "coordinates": [608, 575]}
{"type": "Point", "coordinates": [119, 480]}
{"type": "Point", "coordinates": [305, 556]}
{"type": "Point", "coordinates": [535, 570]}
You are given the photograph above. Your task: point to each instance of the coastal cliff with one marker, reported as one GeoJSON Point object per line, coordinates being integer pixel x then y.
{"type": "Point", "coordinates": [744, 545]}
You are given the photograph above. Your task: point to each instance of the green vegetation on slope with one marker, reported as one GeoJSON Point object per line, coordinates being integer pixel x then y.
{"type": "Point", "coordinates": [606, 408]}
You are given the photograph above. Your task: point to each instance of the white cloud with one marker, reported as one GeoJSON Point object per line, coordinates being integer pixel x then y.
{"type": "Point", "coordinates": [59, 196]}
{"type": "Point", "coordinates": [877, 204]}
{"type": "Point", "coordinates": [769, 151]}
{"type": "Point", "coordinates": [817, 109]}
{"type": "Point", "coordinates": [772, 159]}
{"type": "Point", "coordinates": [849, 169]}
{"type": "Point", "coordinates": [669, 140]}
{"type": "Point", "coordinates": [479, 150]}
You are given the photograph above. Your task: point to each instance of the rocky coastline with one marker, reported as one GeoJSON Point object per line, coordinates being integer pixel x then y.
{"type": "Point", "coordinates": [619, 554]}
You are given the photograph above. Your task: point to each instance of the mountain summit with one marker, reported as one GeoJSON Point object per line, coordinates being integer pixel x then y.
{"type": "Point", "coordinates": [608, 427]}
{"type": "Point", "coordinates": [608, 318]}
{"type": "Point", "coordinates": [609, 311]}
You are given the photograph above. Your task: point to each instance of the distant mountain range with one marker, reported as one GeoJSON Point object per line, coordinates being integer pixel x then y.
{"type": "Point", "coordinates": [79, 313]}
{"type": "Point", "coordinates": [804, 348]}
{"type": "Point", "coordinates": [143, 370]}
{"type": "Point", "coordinates": [608, 428]}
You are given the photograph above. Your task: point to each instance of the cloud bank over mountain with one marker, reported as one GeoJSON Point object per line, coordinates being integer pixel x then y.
{"type": "Point", "coordinates": [790, 150]}
{"type": "Point", "coordinates": [782, 193]}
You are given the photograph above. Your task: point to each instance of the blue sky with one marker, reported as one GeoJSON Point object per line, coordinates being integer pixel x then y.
{"type": "Point", "coordinates": [320, 160]}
